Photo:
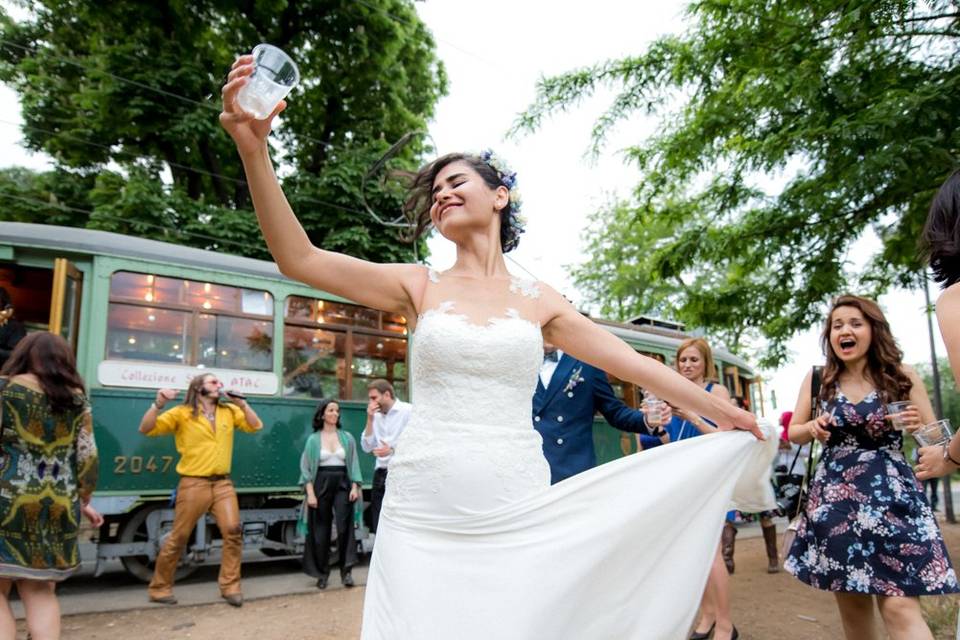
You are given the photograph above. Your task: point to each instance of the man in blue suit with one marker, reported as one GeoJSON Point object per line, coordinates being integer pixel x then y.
{"type": "Point", "coordinates": [569, 393]}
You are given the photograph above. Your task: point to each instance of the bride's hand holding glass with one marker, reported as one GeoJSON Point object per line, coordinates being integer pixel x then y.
{"type": "Point", "coordinates": [247, 132]}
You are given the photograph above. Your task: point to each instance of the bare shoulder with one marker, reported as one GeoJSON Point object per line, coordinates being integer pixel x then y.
{"type": "Point", "coordinates": [911, 373]}
{"type": "Point", "coordinates": [949, 300]}
{"type": "Point", "coordinates": [413, 278]}
{"type": "Point", "coordinates": [807, 385]}
{"type": "Point", "coordinates": [719, 389]}
{"type": "Point", "coordinates": [26, 380]}
{"type": "Point", "coordinates": [552, 304]}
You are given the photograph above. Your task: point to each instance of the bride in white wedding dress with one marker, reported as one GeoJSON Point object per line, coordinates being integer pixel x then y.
{"type": "Point", "coordinates": [473, 541]}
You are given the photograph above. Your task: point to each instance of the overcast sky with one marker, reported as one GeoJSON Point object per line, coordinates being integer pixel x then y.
{"type": "Point", "coordinates": [494, 52]}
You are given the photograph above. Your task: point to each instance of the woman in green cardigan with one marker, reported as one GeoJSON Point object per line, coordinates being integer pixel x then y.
{"type": "Point", "coordinates": [330, 474]}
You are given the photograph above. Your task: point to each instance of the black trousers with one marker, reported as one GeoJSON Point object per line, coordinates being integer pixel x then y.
{"type": "Point", "coordinates": [377, 492]}
{"type": "Point", "coordinates": [332, 488]}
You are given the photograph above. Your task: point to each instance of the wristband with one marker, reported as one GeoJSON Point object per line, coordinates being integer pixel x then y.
{"type": "Point", "coordinates": [947, 456]}
{"type": "Point", "coordinates": [659, 432]}
{"type": "Point", "coordinates": [159, 407]}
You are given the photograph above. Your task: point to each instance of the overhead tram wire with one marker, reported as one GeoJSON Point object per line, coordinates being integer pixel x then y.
{"type": "Point", "coordinates": [179, 166]}
{"type": "Point", "coordinates": [181, 232]}
{"type": "Point", "coordinates": [184, 167]}
{"type": "Point", "coordinates": [216, 107]}
{"type": "Point", "coordinates": [212, 107]}
{"type": "Point", "coordinates": [88, 212]}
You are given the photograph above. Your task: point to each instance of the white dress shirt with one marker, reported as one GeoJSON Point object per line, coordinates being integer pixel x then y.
{"type": "Point", "coordinates": [387, 428]}
{"type": "Point", "coordinates": [547, 369]}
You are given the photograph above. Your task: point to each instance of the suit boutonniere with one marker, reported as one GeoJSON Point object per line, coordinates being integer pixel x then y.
{"type": "Point", "coordinates": [575, 379]}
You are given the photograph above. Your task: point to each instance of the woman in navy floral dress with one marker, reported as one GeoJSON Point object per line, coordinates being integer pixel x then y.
{"type": "Point", "coordinates": [867, 529]}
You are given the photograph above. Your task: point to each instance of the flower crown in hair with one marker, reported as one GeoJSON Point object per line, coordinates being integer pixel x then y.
{"type": "Point", "coordinates": [508, 178]}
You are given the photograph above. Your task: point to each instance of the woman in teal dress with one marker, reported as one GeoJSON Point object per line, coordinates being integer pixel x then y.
{"type": "Point", "coordinates": [48, 470]}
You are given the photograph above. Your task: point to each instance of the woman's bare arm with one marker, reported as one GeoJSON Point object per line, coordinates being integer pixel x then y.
{"type": "Point", "coordinates": [585, 340]}
{"type": "Point", "coordinates": [919, 397]}
{"type": "Point", "coordinates": [390, 287]}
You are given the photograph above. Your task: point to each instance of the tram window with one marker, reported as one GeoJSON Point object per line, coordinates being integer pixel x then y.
{"type": "Point", "coordinates": [378, 357]}
{"type": "Point", "coordinates": [309, 310]}
{"type": "Point", "coordinates": [235, 343]}
{"type": "Point", "coordinates": [394, 322]}
{"type": "Point", "coordinates": [147, 333]}
{"type": "Point", "coordinates": [619, 387]}
{"type": "Point", "coordinates": [314, 362]}
{"type": "Point", "coordinates": [335, 349]}
{"type": "Point", "coordinates": [191, 322]}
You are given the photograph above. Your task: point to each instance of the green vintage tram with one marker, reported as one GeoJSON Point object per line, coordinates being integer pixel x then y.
{"type": "Point", "coordinates": [143, 314]}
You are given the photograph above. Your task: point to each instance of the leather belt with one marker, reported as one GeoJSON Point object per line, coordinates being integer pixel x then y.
{"type": "Point", "coordinates": [213, 478]}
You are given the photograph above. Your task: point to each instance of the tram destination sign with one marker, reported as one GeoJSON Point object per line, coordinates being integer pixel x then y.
{"type": "Point", "coordinates": [145, 375]}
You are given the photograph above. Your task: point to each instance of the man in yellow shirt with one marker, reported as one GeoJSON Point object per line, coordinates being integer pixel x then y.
{"type": "Point", "coordinates": [203, 432]}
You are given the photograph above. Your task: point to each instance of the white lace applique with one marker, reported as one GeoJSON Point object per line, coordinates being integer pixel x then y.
{"type": "Point", "coordinates": [525, 287]}
{"type": "Point", "coordinates": [443, 307]}
{"type": "Point", "coordinates": [433, 276]}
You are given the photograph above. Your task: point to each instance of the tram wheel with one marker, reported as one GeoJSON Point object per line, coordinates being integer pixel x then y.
{"type": "Point", "coordinates": [141, 567]}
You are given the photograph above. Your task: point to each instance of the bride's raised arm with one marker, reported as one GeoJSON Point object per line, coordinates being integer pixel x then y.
{"type": "Point", "coordinates": [577, 335]}
{"type": "Point", "coordinates": [389, 287]}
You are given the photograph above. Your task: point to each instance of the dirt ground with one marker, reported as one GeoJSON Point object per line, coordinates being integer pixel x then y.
{"type": "Point", "coordinates": [776, 607]}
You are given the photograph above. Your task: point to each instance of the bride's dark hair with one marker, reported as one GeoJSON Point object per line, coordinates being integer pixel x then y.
{"type": "Point", "coordinates": [420, 196]}
{"type": "Point", "coordinates": [941, 233]}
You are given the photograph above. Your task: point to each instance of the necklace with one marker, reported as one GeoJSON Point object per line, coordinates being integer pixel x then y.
{"type": "Point", "coordinates": [211, 416]}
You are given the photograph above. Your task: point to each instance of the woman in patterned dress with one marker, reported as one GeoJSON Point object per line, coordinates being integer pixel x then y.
{"type": "Point", "coordinates": [48, 469]}
{"type": "Point", "coordinates": [867, 529]}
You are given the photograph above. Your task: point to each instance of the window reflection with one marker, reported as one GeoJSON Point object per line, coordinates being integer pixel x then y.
{"type": "Point", "coordinates": [235, 343]}
{"type": "Point", "coordinates": [378, 357]}
{"type": "Point", "coordinates": [192, 322]}
{"type": "Point", "coordinates": [334, 349]}
{"type": "Point", "coordinates": [314, 363]}
{"type": "Point", "coordinates": [147, 333]}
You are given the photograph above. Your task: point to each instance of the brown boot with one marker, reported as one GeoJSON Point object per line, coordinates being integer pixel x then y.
{"type": "Point", "coordinates": [770, 538]}
{"type": "Point", "coordinates": [727, 540]}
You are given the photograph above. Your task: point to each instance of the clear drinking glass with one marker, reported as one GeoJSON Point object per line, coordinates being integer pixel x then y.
{"type": "Point", "coordinates": [274, 75]}
{"type": "Point", "coordinates": [894, 409]}
{"type": "Point", "coordinates": [935, 433]}
{"type": "Point", "coordinates": [654, 407]}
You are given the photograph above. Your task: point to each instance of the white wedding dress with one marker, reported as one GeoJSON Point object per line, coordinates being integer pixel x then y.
{"type": "Point", "coordinates": [473, 542]}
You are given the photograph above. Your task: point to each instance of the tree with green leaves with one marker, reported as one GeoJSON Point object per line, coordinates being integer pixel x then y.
{"type": "Point", "coordinates": [788, 131]}
{"type": "Point", "coordinates": [949, 396]}
{"type": "Point", "coordinates": [124, 97]}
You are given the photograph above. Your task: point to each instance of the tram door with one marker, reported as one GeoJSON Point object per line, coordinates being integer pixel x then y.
{"type": "Point", "coordinates": [45, 299]}
{"type": "Point", "coordinates": [65, 301]}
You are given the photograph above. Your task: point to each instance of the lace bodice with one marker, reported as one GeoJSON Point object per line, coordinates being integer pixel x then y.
{"type": "Point", "coordinates": [463, 372]}
{"type": "Point", "coordinates": [472, 390]}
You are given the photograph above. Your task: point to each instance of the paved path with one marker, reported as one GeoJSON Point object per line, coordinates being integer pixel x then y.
{"type": "Point", "coordinates": [116, 591]}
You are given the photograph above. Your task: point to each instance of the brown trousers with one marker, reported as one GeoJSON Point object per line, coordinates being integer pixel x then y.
{"type": "Point", "coordinates": [195, 498]}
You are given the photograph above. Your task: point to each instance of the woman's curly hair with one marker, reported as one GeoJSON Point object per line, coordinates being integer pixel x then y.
{"type": "Point", "coordinates": [941, 233]}
{"type": "Point", "coordinates": [420, 196]}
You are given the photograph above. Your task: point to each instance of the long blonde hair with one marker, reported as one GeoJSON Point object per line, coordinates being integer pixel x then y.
{"type": "Point", "coordinates": [709, 369]}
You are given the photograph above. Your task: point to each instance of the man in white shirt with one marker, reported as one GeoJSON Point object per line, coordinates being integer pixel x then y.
{"type": "Point", "coordinates": [386, 419]}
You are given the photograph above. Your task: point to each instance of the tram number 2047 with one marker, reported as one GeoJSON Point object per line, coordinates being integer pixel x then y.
{"type": "Point", "coordinates": [138, 464]}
